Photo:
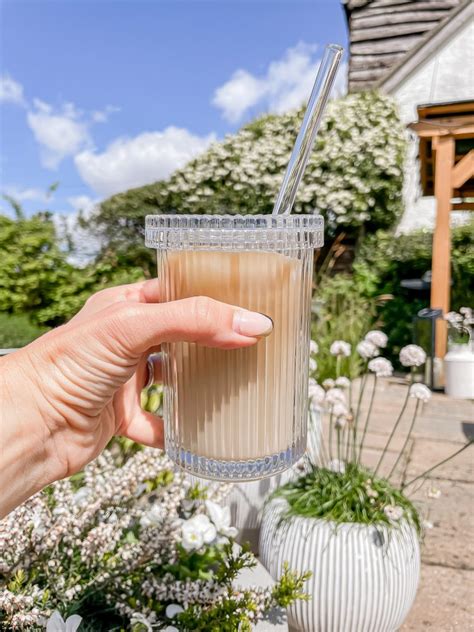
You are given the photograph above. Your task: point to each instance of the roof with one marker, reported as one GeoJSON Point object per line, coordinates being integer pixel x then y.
{"type": "Point", "coordinates": [383, 32]}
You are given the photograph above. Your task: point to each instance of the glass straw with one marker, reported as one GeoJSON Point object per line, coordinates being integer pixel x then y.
{"type": "Point", "coordinates": [309, 129]}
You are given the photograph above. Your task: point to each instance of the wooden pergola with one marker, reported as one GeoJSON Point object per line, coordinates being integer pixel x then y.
{"type": "Point", "coordinates": [446, 133]}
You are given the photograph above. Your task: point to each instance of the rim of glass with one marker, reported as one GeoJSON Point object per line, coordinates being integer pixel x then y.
{"type": "Point", "coordinates": [232, 222]}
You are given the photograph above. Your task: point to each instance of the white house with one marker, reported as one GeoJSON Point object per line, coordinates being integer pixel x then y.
{"type": "Point", "coordinates": [422, 53]}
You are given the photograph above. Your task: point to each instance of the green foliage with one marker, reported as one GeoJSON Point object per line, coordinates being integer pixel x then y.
{"type": "Point", "coordinates": [341, 313]}
{"type": "Point", "coordinates": [17, 330]}
{"type": "Point", "coordinates": [354, 176]}
{"type": "Point", "coordinates": [385, 260]}
{"type": "Point", "coordinates": [355, 496]}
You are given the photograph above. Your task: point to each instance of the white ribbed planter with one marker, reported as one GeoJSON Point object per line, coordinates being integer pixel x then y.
{"type": "Point", "coordinates": [364, 578]}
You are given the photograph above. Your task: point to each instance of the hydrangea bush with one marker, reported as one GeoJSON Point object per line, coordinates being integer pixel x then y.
{"type": "Point", "coordinates": [129, 546]}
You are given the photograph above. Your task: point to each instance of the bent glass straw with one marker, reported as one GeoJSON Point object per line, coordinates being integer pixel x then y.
{"type": "Point", "coordinates": [309, 129]}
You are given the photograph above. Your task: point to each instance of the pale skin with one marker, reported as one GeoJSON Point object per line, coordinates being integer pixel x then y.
{"type": "Point", "coordinates": [64, 396]}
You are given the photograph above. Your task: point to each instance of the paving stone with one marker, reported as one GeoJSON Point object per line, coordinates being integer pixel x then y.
{"type": "Point", "coordinates": [444, 602]}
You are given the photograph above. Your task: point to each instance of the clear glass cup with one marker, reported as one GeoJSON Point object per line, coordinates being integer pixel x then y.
{"type": "Point", "coordinates": [238, 414]}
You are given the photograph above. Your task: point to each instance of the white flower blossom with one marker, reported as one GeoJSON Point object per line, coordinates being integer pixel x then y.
{"type": "Point", "coordinates": [340, 348]}
{"type": "Point", "coordinates": [316, 394]}
{"type": "Point", "coordinates": [412, 355]}
{"type": "Point", "coordinates": [220, 516]}
{"type": "Point", "coordinates": [337, 466]}
{"type": "Point", "coordinates": [377, 338]}
{"type": "Point", "coordinates": [335, 395]}
{"type": "Point", "coordinates": [153, 517]}
{"type": "Point", "coordinates": [453, 318]}
{"type": "Point", "coordinates": [328, 383]}
{"type": "Point", "coordinates": [313, 347]}
{"type": "Point", "coordinates": [173, 609]}
{"type": "Point", "coordinates": [367, 349]}
{"type": "Point", "coordinates": [427, 524]}
{"type": "Point", "coordinates": [421, 392]}
{"type": "Point", "coordinates": [343, 382]}
{"type": "Point", "coordinates": [313, 365]}
{"type": "Point", "coordinates": [381, 367]}
{"type": "Point", "coordinates": [340, 411]}
{"type": "Point", "coordinates": [56, 623]}
{"type": "Point", "coordinates": [341, 422]}
{"type": "Point", "coordinates": [138, 617]}
{"type": "Point", "coordinates": [197, 531]}
{"type": "Point", "coordinates": [393, 512]}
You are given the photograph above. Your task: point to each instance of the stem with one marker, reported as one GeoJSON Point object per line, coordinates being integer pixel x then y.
{"type": "Point", "coordinates": [338, 366]}
{"type": "Point", "coordinates": [338, 444]}
{"type": "Point", "coordinates": [361, 445]}
{"type": "Point", "coordinates": [356, 416]}
{"type": "Point", "coordinates": [400, 454]}
{"type": "Point", "coordinates": [330, 436]}
{"type": "Point", "coordinates": [417, 478]}
{"type": "Point", "coordinates": [393, 431]}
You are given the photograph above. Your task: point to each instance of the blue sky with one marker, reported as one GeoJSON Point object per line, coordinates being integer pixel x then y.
{"type": "Point", "coordinates": [104, 95]}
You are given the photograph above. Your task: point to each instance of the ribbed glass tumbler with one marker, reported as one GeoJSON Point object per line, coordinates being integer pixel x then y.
{"type": "Point", "coordinates": [238, 414]}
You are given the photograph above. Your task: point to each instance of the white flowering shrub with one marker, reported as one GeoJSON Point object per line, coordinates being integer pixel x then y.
{"type": "Point", "coordinates": [128, 547]}
{"type": "Point", "coordinates": [354, 176]}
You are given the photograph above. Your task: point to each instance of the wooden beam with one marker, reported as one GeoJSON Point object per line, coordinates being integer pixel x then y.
{"type": "Point", "coordinates": [463, 171]}
{"type": "Point", "coordinates": [463, 206]}
{"type": "Point", "coordinates": [441, 258]}
{"type": "Point", "coordinates": [426, 130]}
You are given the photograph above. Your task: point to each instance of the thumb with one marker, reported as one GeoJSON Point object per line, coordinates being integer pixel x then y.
{"type": "Point", "coordinates": [136, 327]}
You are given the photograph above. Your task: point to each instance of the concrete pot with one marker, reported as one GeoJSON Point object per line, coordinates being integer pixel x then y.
{"type": "Point", "coordinates": [364, 578]}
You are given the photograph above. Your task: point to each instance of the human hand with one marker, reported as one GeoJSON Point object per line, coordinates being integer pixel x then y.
{"type": "Point", "coordinates": [67, 393]}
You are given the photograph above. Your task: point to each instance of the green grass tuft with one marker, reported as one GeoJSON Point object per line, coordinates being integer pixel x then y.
{"type": "Point", "coordinates": [355, 496]}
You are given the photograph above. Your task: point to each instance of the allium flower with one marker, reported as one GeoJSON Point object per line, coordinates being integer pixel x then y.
{"type": "Point", "coordinates": [377, 338]}
{"type": "Point", "coordinates": [340, 410]}
{"type": "Point", "coordinates": [421, 392]}
{"type": "Point", "coordinates": [317, 394]}
{"type": "Point", "coordinates": [220, 516]}
{"type": "Point", "coordinates": [434, 492]}
{"type": "Point", "coordinates": [340, 348]}
{"type": "Point", "coordinates": [381, 367]}
{"type": "Point", "coordinates": [341, 422]}
{"type": "Point", "coordinates": [337, 466]}
{"type": "Point", "coordinates": [412, 355]}
{"type": "Point", "coordinates": [173, 609]}
{"type": "Point", "coordinates": [343, 382]}
{"type": "Point", "coordinates": [335, 395]}
{"type": "Point", "coordinates": [313, 347]}
{"type": "Point", "coordinates": [313, 365]}
{"type": "Point", "coordinates": [56, 623]}
{"type": "Point", "coordinates": [197, 531]}
{"type": "Point", "coordinates": [366, 349]}
{"type": "Point", "coordinates": [329, 383]}
{"type": "Point", "coordinates": [393, 512]}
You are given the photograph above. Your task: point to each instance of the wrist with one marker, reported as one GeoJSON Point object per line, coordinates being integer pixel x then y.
{"type": "Point", "coordinates": [27, 462]}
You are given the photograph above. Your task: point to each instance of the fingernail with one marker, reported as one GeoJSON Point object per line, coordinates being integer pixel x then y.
{"type": "Point", "coordinates": [252, 323]}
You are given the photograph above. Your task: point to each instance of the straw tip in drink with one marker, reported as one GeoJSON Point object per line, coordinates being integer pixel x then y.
{"type": "Point", "coordinates": [336, 48]}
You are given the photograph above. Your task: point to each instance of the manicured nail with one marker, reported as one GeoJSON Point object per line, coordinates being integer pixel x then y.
{"type": "Point", "coordinates": [252, 324]}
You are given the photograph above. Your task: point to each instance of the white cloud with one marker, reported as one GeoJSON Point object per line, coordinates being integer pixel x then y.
{"type": "Point", "coordinates": [286, 84]}
{"type": "Point", "coordinates": [11, 91]}
{"type": "Point", "coordinates": [59, 133]}
{"type": "Point", "coordinates": [102, 116]}
{"type": "Point", "coordinates": [24, 195]}
{"type": "Point", "coordinates": [133, 162]}
{"type": "Point", "coordinates": [83, 203]}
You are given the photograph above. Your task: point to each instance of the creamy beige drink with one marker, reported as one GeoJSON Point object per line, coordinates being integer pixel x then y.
{"type": "Point", "coordinates": [238, 404]}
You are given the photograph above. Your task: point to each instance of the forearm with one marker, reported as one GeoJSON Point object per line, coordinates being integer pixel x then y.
{"type": "Point", "coordinates": [26, 463]}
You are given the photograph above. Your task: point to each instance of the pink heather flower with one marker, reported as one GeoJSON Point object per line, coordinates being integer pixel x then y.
{"type": "Point", "coordinates": [377, 338]}
{"type": "Point", "coordinates": [421, 392]}
{"type": "Point", "coordinates": [366, 349]}
{"type": "Point", "coordinates": [340, 348]}
{"type": "Point", "coordinates": [412, 355]}
{"type": "Point", "coordinates": [381, 367]}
